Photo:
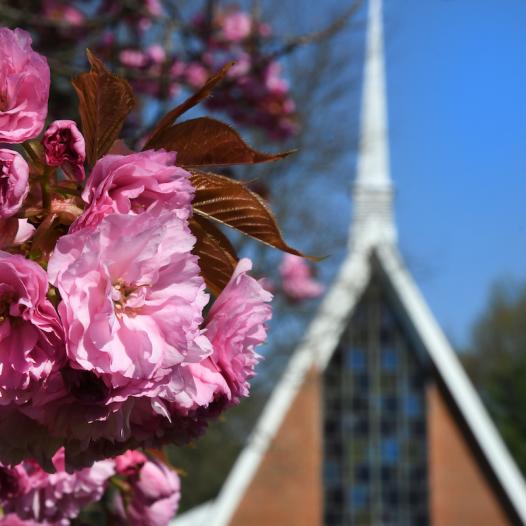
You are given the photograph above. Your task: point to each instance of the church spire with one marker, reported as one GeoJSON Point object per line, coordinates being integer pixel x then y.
{"type": "Point", "coordinates": [372, 221]}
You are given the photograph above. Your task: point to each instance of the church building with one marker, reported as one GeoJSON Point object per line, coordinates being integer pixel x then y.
{"type": "Point", "coordinates": [374, 422]}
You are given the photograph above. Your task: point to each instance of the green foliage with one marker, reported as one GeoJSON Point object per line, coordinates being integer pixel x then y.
{"type": "Point", "coordinates": [496, 362]}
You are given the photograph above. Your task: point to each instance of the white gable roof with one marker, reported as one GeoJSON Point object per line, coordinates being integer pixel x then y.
{"type": "Point", "coordinates": [455, 379]}
{"type": "Point", "coordinates": [195, 516]}
{"type": "Point", "coordinates": [316, 350]}
{"type": "Point", "coordinates": [372, 242]}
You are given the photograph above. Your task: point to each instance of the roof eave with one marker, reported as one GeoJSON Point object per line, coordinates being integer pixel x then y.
{"type": "Point", "coordinates": [454, 377]}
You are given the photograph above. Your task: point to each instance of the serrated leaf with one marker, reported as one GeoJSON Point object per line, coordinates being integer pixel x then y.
{"type": "Point", "coordinates": [231, 203]}
{"type": "Point", "coordinates": [189, 103]}
{"type": "Point", "coordinates": [105, 100]}
{"type": "Point", "coordinates": [217, 256]}
{"type": "Point", "coordinates": [208, 142]}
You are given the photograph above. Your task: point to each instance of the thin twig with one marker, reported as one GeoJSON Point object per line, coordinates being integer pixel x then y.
{"type": "Point", "coordinates": [318, 36]}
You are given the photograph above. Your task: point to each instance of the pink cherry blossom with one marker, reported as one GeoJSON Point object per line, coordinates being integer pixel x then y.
{"type": "Point", "coordinates": [14, 231]}
{"type": "Point", "coordinates": [133, 58]}
{"type": "Point", "coordinates": [210, 386]}
{"type": "Point", "coordinates": [154, 498]}
{"type": "Point", "coordinates": [33, 494]}
{"type": "Point", "coordinates": [297, 281]}
{"type": "Point", "coordinates": [132, 301]}
{"type": "Point", "coordinates": [236, 26]}
{"type": "Point", "coordinates": [130, 184]}
{"type": "Point", "coordinates": [12, 519]}
{"type": "Point", "coordinates": [203, 389]}
{"type": "Point", "coordinates": [63, 12]}
{"type": "Point", "coordinates": [128, 462]}
{"type": "Point", "coordinates": [242, 66]}
{"type": "Point", "coordinates": [196, 74]}
{"type": "Point", "coordinates": [268, 284]}
{"type": "Point", "coordinates": [64, 146]}
{"type": "Point", "coordinates": [156, 54]}
{"type": "Point", "coordinates": [25, 231]}
{"type": "Point", "coordinates": [24, 87]}
{"type": "Point", "coordinates": [236, 326]}
{"type": "Point", "coordinates": [154, 7]}
{"type": "Point", "coordinates": [177, 68]}
{"type": "Point", "coordinates": [30, 331]}
{"type": "Point", "coordinates": [274, 82]}
{"type": "Point", "coordinates": [14, 177]}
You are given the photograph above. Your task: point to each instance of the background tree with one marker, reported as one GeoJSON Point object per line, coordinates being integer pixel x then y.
{"type": "Point", "coordinates": [496, 361]}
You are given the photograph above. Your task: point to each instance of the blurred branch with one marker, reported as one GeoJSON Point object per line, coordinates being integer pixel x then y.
{"type": "Point", "coordinates": [26, 18]}
{"type": "Point", "coordinates": [318, 36]}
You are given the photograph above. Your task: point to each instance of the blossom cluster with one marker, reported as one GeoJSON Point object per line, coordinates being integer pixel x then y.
{"type": "Point", "coordinates": [256, 93]}
{"type": "Point", "coordinates": [28, 493]}
{"type": "Point", "coordinates": [107, 339]}
{"type": "Point", "coordinates": [137, 489]}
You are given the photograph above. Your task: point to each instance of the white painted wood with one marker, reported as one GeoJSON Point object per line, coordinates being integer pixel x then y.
{"type": "Point", "coordinates": [195, 517]}
{"type": "Point", "coordinates": [322, 337]}
{"type": "Point", "coordinates": [457, 382]}
{"type": "Point", "coordinates": [372, 190]}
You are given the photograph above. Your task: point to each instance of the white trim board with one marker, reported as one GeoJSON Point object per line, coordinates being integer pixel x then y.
{"type": "Point", "coordinates": [317, 349]}
{"type": "Point", "coordinates": [322, 336]}
{"type": "Point", "coordinates": [455, 378]}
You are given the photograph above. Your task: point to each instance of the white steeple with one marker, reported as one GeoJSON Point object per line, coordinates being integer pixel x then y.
{"type": "Point", "coordinates": [372, 221]}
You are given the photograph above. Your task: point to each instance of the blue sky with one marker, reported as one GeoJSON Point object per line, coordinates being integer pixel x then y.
{"type": "Point", "coordinates": [456, 85]}
{"type": "Point", "coordinates": [456, 79]}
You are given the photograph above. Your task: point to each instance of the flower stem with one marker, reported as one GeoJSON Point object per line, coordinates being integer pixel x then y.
{"type": "Point", "coordinates": [31, 152]}
{"type": "Point", "coordinates": [44, 178]}
{"type": "Point", "coordinates": [44, 187]}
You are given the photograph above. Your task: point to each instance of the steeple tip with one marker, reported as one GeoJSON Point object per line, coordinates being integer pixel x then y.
{"type": "Point", "coordinates": [372, 221]}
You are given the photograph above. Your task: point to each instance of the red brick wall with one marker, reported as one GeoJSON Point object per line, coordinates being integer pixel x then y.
{"type": "Point", "coordinates": [286, 490]}
{"type": "Point", "coordinates": [460, 492]}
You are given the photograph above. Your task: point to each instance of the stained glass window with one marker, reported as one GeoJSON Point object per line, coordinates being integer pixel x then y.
{"type": "Point", "coordinates": [375, 457]}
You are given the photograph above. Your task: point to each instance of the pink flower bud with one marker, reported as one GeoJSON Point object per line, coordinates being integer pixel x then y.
{"type": "Point", "coordinates": [298, 283]}
{"type": "Point", "coordinates": [129, 462]}
{"type": "Point", "coordinates": [154, 498]}
{"type": "Point", "coordinates": [64, 146]}
{"type": "Point", "coordinates": [24, 87]}
{"type": "Point", "coordinates": [14, 176]}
